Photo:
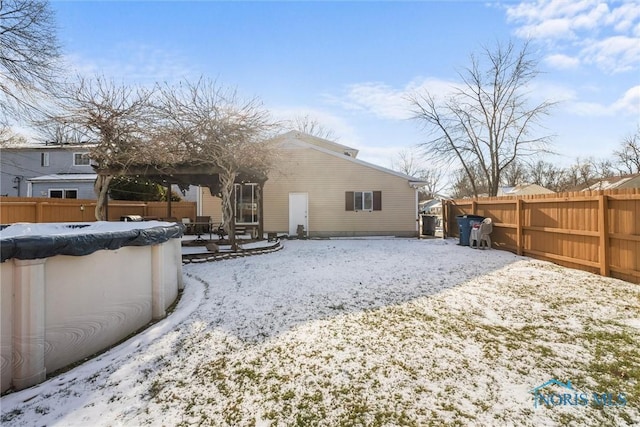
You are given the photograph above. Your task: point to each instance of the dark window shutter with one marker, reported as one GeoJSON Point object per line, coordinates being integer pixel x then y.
{"type": "Point", "coordinates": [377, 200]}
{"type": "Point", "coordinates": [348, 201]}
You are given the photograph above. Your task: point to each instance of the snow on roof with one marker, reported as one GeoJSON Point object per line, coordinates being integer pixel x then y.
{"type": "Point", "coordinates": [32, 145]}
{"type": "Point", "coordinates": [87, 177]}
{"type": "Point", "coordinates": [611, 182]}
{"type": "Point", "coordinates": [523, 189]}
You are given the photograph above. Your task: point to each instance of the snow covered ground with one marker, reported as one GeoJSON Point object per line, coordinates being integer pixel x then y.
{"type": "Point", "coordinates": [363, 332]}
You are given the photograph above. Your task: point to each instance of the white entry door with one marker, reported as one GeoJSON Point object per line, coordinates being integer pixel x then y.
{"type": "Point", "coordinates": [298, 212]}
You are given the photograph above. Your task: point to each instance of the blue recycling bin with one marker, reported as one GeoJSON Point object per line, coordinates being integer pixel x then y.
{"type": "Point", "coordinates": [465, 222]}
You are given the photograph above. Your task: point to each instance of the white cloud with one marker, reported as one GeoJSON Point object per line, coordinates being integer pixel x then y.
{"type": "Point", "coordinates": [627, 105]}
{"type": "Point", "coordinates": [387, 102]}
{"type": "Point", "coordinates": [614, 54]}
{"type": "Point", "coordinates": [141, 64]}
{"type": "Point", "coordinates": [606, 34]}
{"type": "Point", "coordinates": [542, 90]}
{"type": "Point", "coordinates": [345, 133]}
{"type": "Point", "coordinates": [561, 61]}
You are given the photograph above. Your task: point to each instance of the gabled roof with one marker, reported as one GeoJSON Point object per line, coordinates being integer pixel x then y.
{"type": "Point", "coordinates": [294, 138]}
{"type": "Point", "coordinates": [625, 181]}
{"type": "Point", "coordinates": [523, 189]}
{"type": "Point", "coordinates": [429, 203]}
{"type": "Point", "coordinates": [325, 143]}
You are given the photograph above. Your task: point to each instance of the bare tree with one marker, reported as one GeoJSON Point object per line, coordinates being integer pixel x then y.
{"type": "Point", "coordinates": [462, 184]}
{"type": "Point", "coordinates": [9, 138]}
{"type": "Point", "coordinates": [547, 175]}
{"type": "Point", "coordinates": [117, 117]}
{"type": "Point", "coordinates": [627, 158]}
{"type": "Point", "coordinates": [514, 174]}
{"type": "Point", "coordinates": [584, 172]}
{"type": "Point", "coordinates": [29, 53]}
{"type": "Point", "coordinates": [487, 121]}
{"type": "Point", "coordinates": [410, 163]}
{"type": "Point", "coordinates": [212, 125]}
{"type": "Point", "coordinates": [311, 126]}
{"type": "Point", "coordinates": [56, 132]}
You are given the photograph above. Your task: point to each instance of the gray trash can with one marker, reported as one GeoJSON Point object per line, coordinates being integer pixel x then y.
{"type": "Point", "coordinates": [465, 222]}
{"type": "Point", "coordinates": [428, 225]}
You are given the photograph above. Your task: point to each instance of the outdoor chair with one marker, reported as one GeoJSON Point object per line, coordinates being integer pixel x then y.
{"type": "Point", "coordinates": [481, 237]}
{"type": "Point", "coordinates": [220, 231]}
{"type": "Point", "coordinates": [202, 226]}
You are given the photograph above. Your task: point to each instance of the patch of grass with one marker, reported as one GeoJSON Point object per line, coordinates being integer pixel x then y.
{"type": "Point", "coordinates": [616, 363]}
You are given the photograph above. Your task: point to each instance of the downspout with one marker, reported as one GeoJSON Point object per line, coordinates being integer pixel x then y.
{"type": "Point", "coordinates": [415, 189]}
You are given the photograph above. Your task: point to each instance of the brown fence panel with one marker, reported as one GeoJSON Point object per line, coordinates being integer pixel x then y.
{"type": "Point", "coordinates": [595, 231]}
{"type": "Point", "coordinates": [179, 210]}
{"type": "Point", "coordinates": [40, 209]}
{"type": "Point", "coordinates": [17, 210]}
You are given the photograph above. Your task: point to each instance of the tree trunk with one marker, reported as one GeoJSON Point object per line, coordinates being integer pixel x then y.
{"type": "Point", "coordinates": [227, 180]}
{"type": "Point", "coordinates": [101, 188]}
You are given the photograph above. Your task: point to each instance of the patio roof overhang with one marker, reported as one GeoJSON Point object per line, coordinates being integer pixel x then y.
{"type": "Point", "coordinates": [184, 174]}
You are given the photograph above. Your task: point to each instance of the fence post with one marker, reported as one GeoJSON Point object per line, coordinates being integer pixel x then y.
{"type": "Point", "coordinates": [445, 218]}
{"type": "Point", "coordinates": [519, 226]}
{"type": "Point", "coordinates": [40, 211]}
{"type": "Point", "coordinates": [474, 207]}
{"type": "Point", "coordinates": [603, 230]}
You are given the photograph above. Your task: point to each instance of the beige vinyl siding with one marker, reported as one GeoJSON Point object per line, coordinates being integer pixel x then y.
{"type": "Point", "coordinates": [326, 178]}
{"type": "Point", "coordinates": [211, 206]}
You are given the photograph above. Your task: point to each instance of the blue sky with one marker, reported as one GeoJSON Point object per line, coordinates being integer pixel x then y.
{"type": "Point", "coordinates": [350, 64]}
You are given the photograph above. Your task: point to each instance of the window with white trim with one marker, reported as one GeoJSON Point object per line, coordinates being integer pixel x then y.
{"type": "Point", "coordinates": [81, 159]}
{"type": "Point", "coordinates": [63, 193]}
{"type": "Point", "coordinates": [363, 200]}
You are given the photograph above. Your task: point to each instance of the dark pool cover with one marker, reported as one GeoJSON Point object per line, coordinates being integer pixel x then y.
{"type": "Point", "coordinates": [42, 246]}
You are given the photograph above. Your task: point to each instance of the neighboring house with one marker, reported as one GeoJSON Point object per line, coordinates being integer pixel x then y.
{"type": "Point", "coordinates": [47, 167]}
{"type": "Point", "coordinates": [322, 186]}
{"type": "Point", "coordinates": [523, 190]}
{"type": "Point", "coordinates": [616, 182]}
{"type": "Point", "coordinates": [62, 186]}
{"type": "Point", "coordinates": [431, 207]}
{"type": "Point", "coordinates": [54, 170]}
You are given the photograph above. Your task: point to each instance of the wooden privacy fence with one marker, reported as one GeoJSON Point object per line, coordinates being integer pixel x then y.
{"type": "Point", "coordinates": [37, 209]}
{"type": "Point", "coordinates": [597, 231]}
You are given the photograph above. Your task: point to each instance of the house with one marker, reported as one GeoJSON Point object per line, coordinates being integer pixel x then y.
{"type": "Point", "coordinates": [323, 187]}
{"type": "Point", "coordinates": [523, 190]}
{"type": "Point", "coordinates": [47, 170]}
{"type": "Point", "coordinates": [62, 186]}
{"type": "Point", "coordinates": [431, 207]}
{"type": "Point", "coordinates": [615, 182]}
{"type": "Point", "coordinates": [53, 170]}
